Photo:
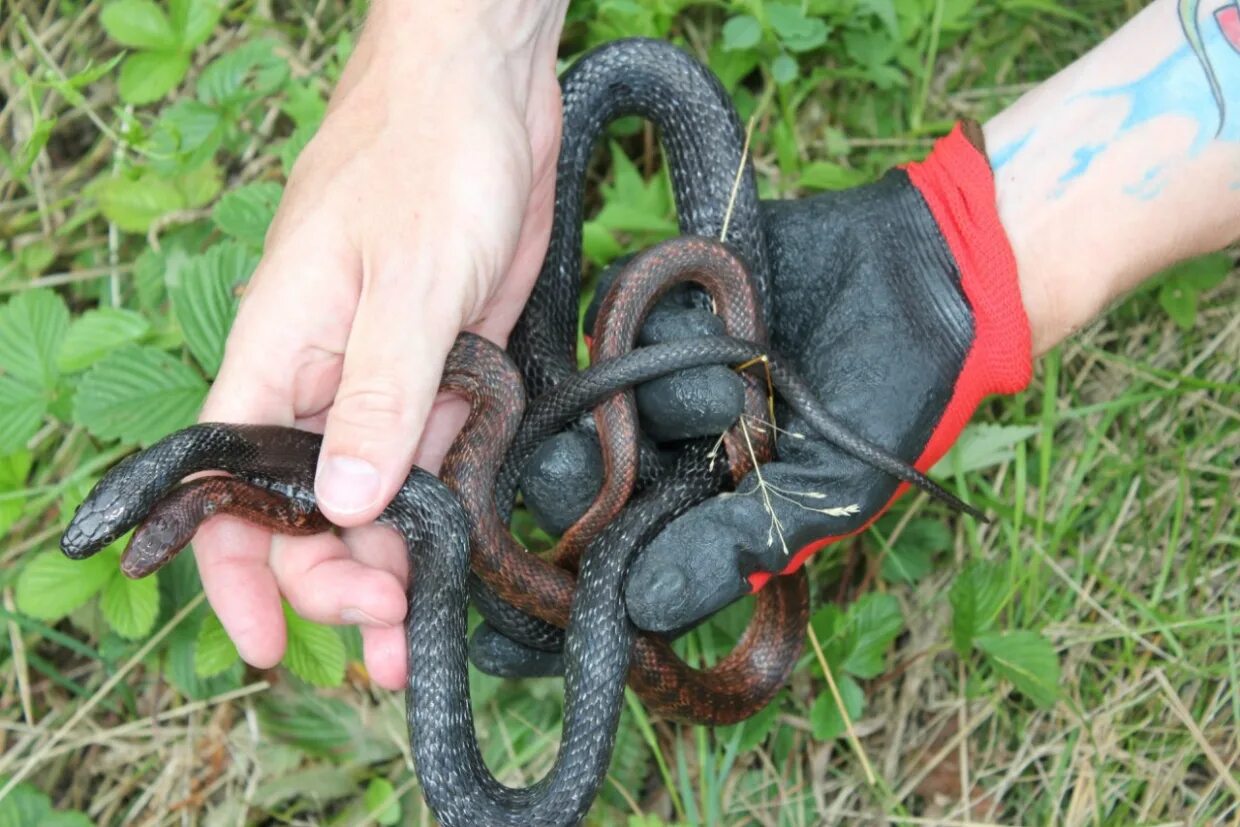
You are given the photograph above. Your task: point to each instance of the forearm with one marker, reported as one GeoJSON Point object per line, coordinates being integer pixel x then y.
{"type": "Point", "coordinates": [402, 36]}
{"type": "Point", "coordinates": [1123, 163]}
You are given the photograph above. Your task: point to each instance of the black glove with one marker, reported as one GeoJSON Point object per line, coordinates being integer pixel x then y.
{"type": "Point", "coordinates": [898, 303]}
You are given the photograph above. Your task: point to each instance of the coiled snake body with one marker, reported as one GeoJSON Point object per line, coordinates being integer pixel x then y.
{"type": "Point", "coordinates": [273, 469]}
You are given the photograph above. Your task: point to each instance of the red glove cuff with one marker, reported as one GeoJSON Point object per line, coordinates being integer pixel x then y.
{"type": "Point", "coordinates": [957, 184]}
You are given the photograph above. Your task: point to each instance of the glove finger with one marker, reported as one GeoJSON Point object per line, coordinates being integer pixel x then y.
{"type": "Point", "coordinates": [501, 656]}
{"type": "Point", "coordinates": [703, 560]}
{"type": "Point", "coordinates": [561, 479]}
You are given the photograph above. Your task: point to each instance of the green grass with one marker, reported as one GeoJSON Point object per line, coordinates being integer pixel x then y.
{"type": "Point", "coordinates": [1114, 477]}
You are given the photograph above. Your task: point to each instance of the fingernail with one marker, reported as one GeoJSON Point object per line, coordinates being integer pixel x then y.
{"type": "Point", "coordinates": [347, 484]}
{"type": "Point", "coordinates": [359, 618]}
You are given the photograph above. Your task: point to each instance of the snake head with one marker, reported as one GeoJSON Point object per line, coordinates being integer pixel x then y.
{"type": "Point", "coordinates": [108, 511]}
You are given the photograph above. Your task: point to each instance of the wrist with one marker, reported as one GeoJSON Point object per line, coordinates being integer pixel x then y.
{"type": "Point", "coordinates": [443, 45]}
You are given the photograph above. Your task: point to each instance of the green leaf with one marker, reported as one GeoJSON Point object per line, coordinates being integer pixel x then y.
{"type": "Point", "coordinates": [824, 715]}
{"type": "Point", "coordinates": [24, 806]}
{"type": "Point", "coordinates": [22, 407]}
{"type": "Point", "coordinates": [96, 333]}
{"type": "Point", "coordinates": [984, 446]}
{"type": "Point", "coordinates": [1180, 302]}
{"type": "Point", "coordinates": [753, 731]}
{"type": "Point", "coordinates": [130, 606]}
{"type": "Point", "coordinates": [824, 175]}
{"type": "Point", "coordinates": [134, 204]}
{"type": "Point", "coordinates": [194, 20]}
{"type": "Point", "coordinates": [246, 212]}
{"type": "Point", "coordinates": [315, 653]}
{"type": "Point", "coordinates": [1200, 273]}
{"type": "Point", "coordinates": [252, 71]}
{"type": "Point", "coordinates": [32, 326]}
{"type": "Point", "coordinates": [910, 558]}
{"type": "Point", "coordinates": [631, 204]}
{"type": "Point", "coordinates": [214, 652]}
{"type": "Point", "coordinates": [784, 69]}
{"type": "Point", "coordinates": [304, 104]}
{"type": "Point", "coordinates": [139, 395]}
{"type": "Point", "coordinates": [139, 24]}
{"type": "Point", "coordinates": [877, 621]}
{"type": "Point", "coordinates": [1026, 659]}
{"type": "Point", "coordinates": [796, 31]}
{"type": "Point", "coordinates": [741, 32]}
{"type": "Point", "coordinates": [381, 802]}
{"type": "Point", "coordinates": [200, 185]}
{"type": "Point", "coordinates": [51, 585]}
{"type": "Point", "coordinates": [186, 135]}
{"type": "Point", "coordinates": [148, 76]}
{"type": "Point", "coordinates": [205, 297]}
{"type": "Point", "coordinates": [976, 597]}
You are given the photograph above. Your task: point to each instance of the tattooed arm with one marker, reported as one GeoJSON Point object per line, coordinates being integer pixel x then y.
{"type": "Point", "coordinates": [1123, 163]}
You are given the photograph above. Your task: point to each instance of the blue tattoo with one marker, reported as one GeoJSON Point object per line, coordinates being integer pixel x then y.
{"type": "Point", "coordinates": [1174, 87]}
{"type": "Point", "coordinates": [1150, 186]}
{"type": "Point", "coordinates": [1081, 159]}
{"type": "Point", "coordinates": [1195, 82]}
{"type": "Point", "coordinates": [1004, 153]}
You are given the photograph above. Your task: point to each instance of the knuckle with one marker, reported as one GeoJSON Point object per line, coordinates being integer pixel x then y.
{"type": "Point", "coordinates": [378, 403]}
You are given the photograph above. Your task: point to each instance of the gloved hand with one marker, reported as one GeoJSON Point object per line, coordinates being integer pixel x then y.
{"type": "Point", "coordinates": [898, 302]}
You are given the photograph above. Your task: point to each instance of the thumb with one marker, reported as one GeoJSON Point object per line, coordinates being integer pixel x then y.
{"type": "Point", "coordinates": [404, 326]}
{"type": "Point", "coordinates": [730, 545]}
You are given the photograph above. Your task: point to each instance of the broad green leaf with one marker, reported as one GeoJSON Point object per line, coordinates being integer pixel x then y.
{"type": "Point", "coordinates": [824, 175]}
{"type": "Point", "coordinates": [133, 205]}
{"type": "Point", "coordinates": [741, 32]}
{"type": "Point", "coordinates": [976, 597]}
{"type": "Point", "coordinates": [139, 24]}
{"type": "Point", "coordinates": [824, 715]}
{"type": "Point", "coordinates": [205, 297]}
{"type": "Point", "coordinates": [984, 446]}
{"type": "Point", "coordinates": [796, 31]}
{"type": "Point", "coordinates": [200, 185]}
{"type": "Point", "coordinates": [910, 558]}
{"type": "Point", "coordinates": [194, 20]}
{"type": "Point", "coordinates": [315, 653]}
{"type": "Point", "coordinates": [96, 333]}
{"type": "Point", "coordinates": [1028, 660]}
{"type": "Point", "coordinates": [32, 326]}
{"type": "Point", "coordinates": [138, 395]}
{"type": "Point", "coordinates": [246, 73]}
{"type": "Point", "coordinates": [181, 652]}
{"type": "Point", "coordinates": [36, 257]}
{"type": "Point", "coordinates": [14, 471]}
{"type": "Point", "coordinates": [1180, 302]}
{"type": "Point", "coordinates": [246, 212]}
{"type": "Point", "coordinates": [22, 407]}
{"type": "Point", "coordinates": [304, 104]}
{"type": "Point", "coordinates": [784, 69]}
{"type": "Point", "coordinates": [25, 806]}
{"type": "Point", "coordinates": [753, 731]}
{"type": "Point", "coordinates": [130, 606]}
{"type": "Point", "coordinates": [381, 802]}
{"type": "Point", "coordinates": [148, 76]}
{"type": "Point", "coordinates": [1202, 272]}
{"type": "Point", "coordinates": [877, 621]}
{"type": "Point", "coordinates": [290, 149]}
{"type": "Point", "coordinates": [884, 10]}
{"type": "Point", "coordinates": [214, 651]}
{"type": "Point", "coordinates": [51, 585]}
{"type": "Point", "coordinates": [598, 245]}
{"type": "Point", "coordinates": [186, 135]}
